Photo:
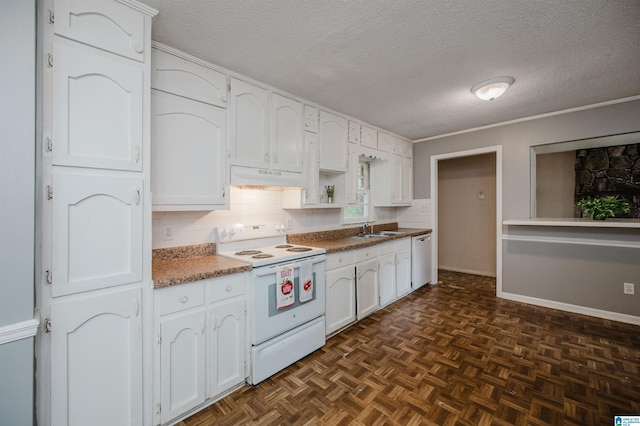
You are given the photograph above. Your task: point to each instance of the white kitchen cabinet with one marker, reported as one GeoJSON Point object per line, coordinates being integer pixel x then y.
{"type": "Point", "coordinates": [190, 169]}
{"type": "Point", "coordinates": [367, 299]}
{"type": "Point", "coordinates": [202, 343]}
{"type": "Point", "coordinates": [368, 137]}
{"type": "Point", "coordinates": [407, 149]}
{"type": "Point", "coordinates": [354, 132]}
{"type": "Point", "coordinates": [96, 359]}
{"type": "Point", "coordinates": [352, 174]}
{"type": "Point", "coordinates": [116, 27]}
{"type": "Point", "coordinates": [387, 278]}
{"type": "Point", "coordinates": [394, 262]}
{"type": "Point", "coordinates": [97, 119]}
{"type": "Point", "coordinates": [227, 344]}
{"type": "Point", "coordinates": [311, 190]}
{"type": "Point", "coordinates": [333, 142]}
{"type": "Point", "coordinates": [391, 182]}
{"type": "Point", "coordinates": [340, 298]}
{"type": "Point", "coordinates": [407, 180]}
{"type": "Point", "coordinates": [182, 363]}
{"type": "Point", "coordinates": [248, 124]}
{"type": "Point", "coordinates": [385, 142]}
{"type": "Point", "coordinates": [178, 73]}
{"type": "Point", "coordinates": [286, 146]}
{"type": "Point", "coordinates": [403, 267]}
{"type": "Point", "coordinates": [311, 119]}
{"type": "Point", "coordinates": [97, 230]}
{"type": "Point", "coordinates": [96, 213]}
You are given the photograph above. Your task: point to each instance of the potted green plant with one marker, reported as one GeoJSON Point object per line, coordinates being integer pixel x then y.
{"type": "Point", "coordinates": [330, 189]}
{"type": "Point", "coordinates": [602, 208]}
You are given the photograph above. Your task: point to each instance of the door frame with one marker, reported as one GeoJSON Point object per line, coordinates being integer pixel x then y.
{"type": "Point", "coordinates": [497, 149]}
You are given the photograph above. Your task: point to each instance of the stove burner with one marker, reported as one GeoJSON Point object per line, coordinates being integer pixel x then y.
{"type": "Point", "coordinates": [262, 256]}
{"type": "Point", "coordinates": [299, 249]}
{"type": "Point", "coordinates": [247, 252]}
{"type": "Point", "coordinates": [284, 246]}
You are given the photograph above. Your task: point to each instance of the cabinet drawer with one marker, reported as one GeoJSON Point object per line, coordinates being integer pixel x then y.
{"type": "Point", "coordinates": [387, 248]}
{"type": "Point", "coordinates": [403, 244]}
{"type": "Point", "coordinates": [179, 298]}
{"type": "Point", "coordinates": [225, 287]}
{"type": "Point", "coordinates": [366, 254]}
{"type": "Point", "coordinates": [337, 260]}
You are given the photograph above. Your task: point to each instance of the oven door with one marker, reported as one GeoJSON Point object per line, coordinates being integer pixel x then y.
{"type": "Point", "coordinates": [269, 321]}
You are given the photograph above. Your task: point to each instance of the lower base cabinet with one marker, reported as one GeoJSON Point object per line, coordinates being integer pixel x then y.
{"type": "Point", "coordinates": [201, 343]}
{"type": "Point", "coordinates": [96, 359]}
{"type": "Point", "coordinates": [340, 298]}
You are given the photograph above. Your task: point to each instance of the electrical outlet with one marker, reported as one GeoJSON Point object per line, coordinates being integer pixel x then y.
{"type": "Point", "coordinates": [629, 288]}
{"type": "Point", "coordinates": [167, 233]}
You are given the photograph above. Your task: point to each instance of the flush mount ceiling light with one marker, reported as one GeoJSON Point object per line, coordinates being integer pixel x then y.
{"type": "Point", "coordinates": [491, 89]}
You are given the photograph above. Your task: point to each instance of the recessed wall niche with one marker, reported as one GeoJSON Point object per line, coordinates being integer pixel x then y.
{"type": "Point", "coordinates": [563, 173]}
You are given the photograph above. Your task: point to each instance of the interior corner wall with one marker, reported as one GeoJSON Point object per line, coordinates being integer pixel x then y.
{"type": "Point", "coordinates": [516, 140]}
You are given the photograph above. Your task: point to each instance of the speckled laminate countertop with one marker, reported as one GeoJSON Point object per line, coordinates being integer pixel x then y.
{"type": "Point", "coordinates": [180, 265]}
{"type": "Point", "coordinates": [342, 242]}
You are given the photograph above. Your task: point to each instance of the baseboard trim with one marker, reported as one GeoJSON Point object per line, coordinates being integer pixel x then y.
{"type": "Point", "coordinates": [576, 309]}
{"type": "Point", "coordinates": [18, 331]}
{"type": "Point", "coordinates": [467, 271]}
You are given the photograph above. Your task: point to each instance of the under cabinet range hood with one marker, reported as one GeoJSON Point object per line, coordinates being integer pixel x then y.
{"type": "Point", "coordinates": [264, 177]}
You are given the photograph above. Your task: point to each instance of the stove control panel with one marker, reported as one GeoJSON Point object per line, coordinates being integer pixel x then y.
{"type": "Point", "coordinates": [242, 232]}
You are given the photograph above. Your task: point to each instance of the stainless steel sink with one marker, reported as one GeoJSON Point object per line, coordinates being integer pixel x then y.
{"type": "Point", "coordinates": [387, 233]}
{"type": "Point", "coordinates": [371, 236]}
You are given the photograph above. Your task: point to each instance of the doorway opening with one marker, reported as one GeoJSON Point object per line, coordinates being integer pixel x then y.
{"type": "Point", "coordinates": [450, 169]}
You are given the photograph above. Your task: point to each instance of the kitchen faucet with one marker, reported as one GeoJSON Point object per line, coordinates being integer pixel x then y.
{"type": "Point", "coordinates": [364, 227]}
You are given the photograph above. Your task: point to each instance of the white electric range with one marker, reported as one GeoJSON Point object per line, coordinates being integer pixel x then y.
{"type": "Point", "coordinates": [286, 295]}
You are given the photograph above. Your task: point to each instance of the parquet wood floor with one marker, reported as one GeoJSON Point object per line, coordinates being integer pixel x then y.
{"type": "Point", "coordinates": [452, 354]}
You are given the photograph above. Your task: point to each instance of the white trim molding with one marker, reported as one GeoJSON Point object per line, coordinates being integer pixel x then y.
{"type": "Point", "coordinates": [20, 330]}
{"type": "Point", "coordinates": [576, 309]}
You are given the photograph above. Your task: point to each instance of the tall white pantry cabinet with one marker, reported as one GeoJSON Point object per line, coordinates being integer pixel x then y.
{"type": "Point", "coordinates": [96, 208]}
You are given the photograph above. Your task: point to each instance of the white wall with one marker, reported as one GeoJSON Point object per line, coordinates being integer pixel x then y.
{"type": "Point", "coordinates": [604, 296]}
{"type": "Point", "coordinates": [17, 208]}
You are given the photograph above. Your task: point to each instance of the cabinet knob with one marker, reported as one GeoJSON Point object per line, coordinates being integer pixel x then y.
{"type": "Point", "coordinates": [229, 288]}
{"type": "Point", "coordinates": [184, 299]}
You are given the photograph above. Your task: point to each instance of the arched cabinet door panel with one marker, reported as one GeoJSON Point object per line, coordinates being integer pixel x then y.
{"type": "Point", "coordinates": [98, 232]}
{"type": "Point", "coordinates": [110, 26]}
{"type": "Point", "coordinates": [96, 359]}
{"type": "Point", "coordinates": [97, 119]}
{"type": "Point", "coordinates": [190, 169]}
{"type": "Point", "coordinates": [249, 125]}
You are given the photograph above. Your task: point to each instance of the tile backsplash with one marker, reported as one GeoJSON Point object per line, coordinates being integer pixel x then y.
{"type": "Point", "coordinates": [251, 206]}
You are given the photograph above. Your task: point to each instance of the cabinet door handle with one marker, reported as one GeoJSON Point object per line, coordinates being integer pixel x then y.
{"type": "Point", "coordinates": [136, 197]}
{"type": "Point", "coordinates": [184, 299]}
{"type": "Point", "coordinates": [214, 322]}
{"type": "Point", "coordinates": [224, 192]}
{"type": "Point", "coordinates": [136, 307]}
{"type": "Point", "coordinates": [136, 153]}
{"type": "Point", "coordinates": [201, 327]}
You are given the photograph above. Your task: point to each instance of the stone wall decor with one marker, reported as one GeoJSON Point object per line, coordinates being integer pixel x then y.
{"type": "Point", "coordinates": [607, 172]}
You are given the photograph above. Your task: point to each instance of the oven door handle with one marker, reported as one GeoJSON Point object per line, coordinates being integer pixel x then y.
{"type": "Point", "coordinates": [261, 272]}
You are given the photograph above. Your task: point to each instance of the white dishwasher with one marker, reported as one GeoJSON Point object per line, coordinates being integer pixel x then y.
{"type": "Point", "coordinates": [420, 260]}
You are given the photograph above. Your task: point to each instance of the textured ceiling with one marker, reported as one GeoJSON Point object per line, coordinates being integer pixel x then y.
{"type": "Point", "coordinates": [408, 65]}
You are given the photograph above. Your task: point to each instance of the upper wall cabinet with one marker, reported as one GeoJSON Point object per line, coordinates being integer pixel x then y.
{"type": "Point", "coordinates": [188, 147]}
{"type": "Point", "coordinates": [354, 132]}
{"type": "Point", "coordinates": [111, 26]}
{"type": "Point", "coordinates": [188, 77]}
{"type": "Point", "coordinates": [286, 134]}
{"type": "Point", "coordinates": [368, 137]}
{"type": "Point", "coordinates": [333, 142]}
{"type": "Point", "coordinates": [311, 119]}
{"type": "Point", "coordinates": [97, 118]}
{"type": "Point", "coordinates": [249, 125]}
{"type": "Point", "coordinates": [385, 142]}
